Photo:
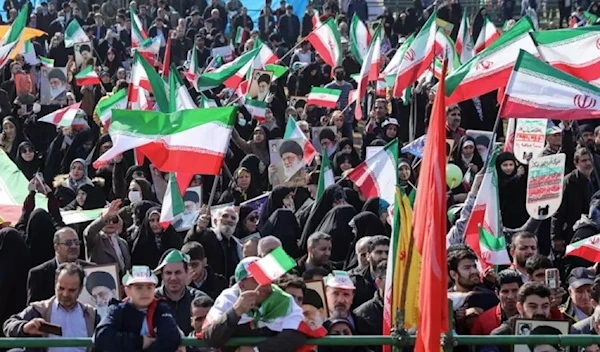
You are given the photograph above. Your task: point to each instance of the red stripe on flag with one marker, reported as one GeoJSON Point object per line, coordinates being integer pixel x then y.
{"type": "Point", "coordinates": [365, 180]}
{"type": "Point", "coordinates": [322, 49]}
{"type": "Point", "coordinates": [258, 274]}
{"type": "Point", "coordinates": [182, 160]}
{"type": "Point", "coordinates": [167, 60]}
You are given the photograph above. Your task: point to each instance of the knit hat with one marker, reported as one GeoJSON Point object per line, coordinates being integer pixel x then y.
{"type": "Point", "coordinates": [140, 274]}
{"type": "Point", "coordinates": [339, 279]}
{"type": "Point", "coordinates": [241, 270]}
{"type": "Point", "coordinates": [171, 257]}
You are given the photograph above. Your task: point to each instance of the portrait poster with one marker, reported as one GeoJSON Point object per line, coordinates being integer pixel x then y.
{"type": "Point", "coordinates": [525, 327]}
{"type": "Point", "coordinates": [482, 141]}
{"type": "Point", "coordinates": [545, 185]}
{"type": "Point", "coordinates": [287, 162]}
{"type": "Point", "coordinates": [260, 84]}
{"type": "Point", "coordinates": [298, 101]}
{"type": "Point", "coordinates": [192, 201]}
{"type": "Point", "coordinates": [326, 135]}
{"type": "Point", "coordinates": [101, 285]}
{"type": "Point", "coordinates": [529, 139]}
{"type": "Point", "coordinates": [318, 287]}
{"type": "Point", "coordinates": [53, 86]}
{"type": "Point", "coordinates": [84, 54]}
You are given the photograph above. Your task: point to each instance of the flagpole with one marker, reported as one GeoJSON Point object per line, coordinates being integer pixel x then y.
{"type": "Point", "coordinates": [213, 190]}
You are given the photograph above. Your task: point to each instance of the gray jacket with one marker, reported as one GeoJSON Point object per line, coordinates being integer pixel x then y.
{"type": "Point", "coordinates": [99, 248]}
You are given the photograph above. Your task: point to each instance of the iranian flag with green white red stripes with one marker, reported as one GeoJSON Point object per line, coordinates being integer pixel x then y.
{"type": "Point", "coordinates": [490, 69]}
{"type": "Point", "coordinates": [327, 42]}
{"type": "Point", "coordinates": [87, 77]}
{"type": "Point", "coordinates": [292, 131]}
{"type": "Point", "coordinates": [172, 204]}
{"type": "Point", "coordinates": [574, 51]}
{"type": "Point", "coordinates": [464, 42]}
{"type": "Point", "coordinates": [360, 38]}
{"type": "Point", "coordinates": [370, 64]}
{"type": "Point", "coordinates": [588, 249]}
{"type": "Point", "coordinates": [188, 141]}
{"type": "Point", "coordinates": [324, 97]}
{"type": "Point", "coordinates": [15, 30]}
{"type": "Point", "coordinates": [417, 58]}
{"type": "Point", "coordinates": [537, 89]}
{"type": "Point", "coordinates": [488, 35]}
{"type": "Point", "coordinates": [444, 48]}
{"type": "Point", "coordinates": [231, 74]}
{"type": "Point", "coordinates": [105, 107]}
{"type": "Point", "coordinates": [138, 34]}
{"type": "Point", "coordinates": [74, 34]}
{"type": "Point", "coordinates": [63, 117]}
{"type": "Point", "coordinates": [326, 177]}
{"type": "Point", "coordinates": [376, 176]}
{"type": "Point", "coordinates": [483, 232]}
{"type": "Point", "coordinates": [256, 108]}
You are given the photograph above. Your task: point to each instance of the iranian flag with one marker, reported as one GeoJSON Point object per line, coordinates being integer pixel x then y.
{"type": "Point", "coordinates": [187, 141]}
{"type": "Point", "coordinates": [256, 108]}
{"type": "Point", "coordinates": [464, 42]}
{"type": "Point", "coordinates": [172, 203]}
{"type": "Point", "coordinates": [292, 131]}
{"type": "Point", "coordinates": [193, 71]}
{"type": "Point", "coordinates": [271, 267]}
{"type": "Point", "coordinates": [417, 58]}
{"type": "Point", "coordinates": [324, 97]}
{"type": "Point", "coordinates": [588, 249]}
{"type": "Point", "coordinates": [278, 70]}
{"type": "Point", "coordinates": [264, 57]}
{"type": "Point", "coordinates": [360, 38]}
{"type": "Point", "coordinates": [206, 103]}
{"type": "Point", "coordinates": [231, 74]}
{"type": "Point", "coordinates": [327, 42]}
{"type": "Point", "coordinates": [488, 35]}
{"type": "Point", "coordinates": [28, 52]}
{"type": "Point", "coordinates": [572, 51]}
{"type": "Point", "coordinates": [63, 117]}
{"type": "Point", "coordinates": [12, 36]}
{"type": "Point", "coordinates": [105, 107]}
{"type": "Point", "coordinates": [241, 35]}
{"type": "Point", "coordinates": [326, 178]}
{"type": "Point", "coordinates": [138, 34]}
{"type": "Point", "coordinates": [74, 34]}
{"type": "Point", "coordinates": [363, 77]}
{"type": "Point", "coordinates": [490, 69]}
{"type": "Point", "coordinates": [537, 89]}
{"type": "Point", "coordinates": [183, 98]}
{"type": "Point", "coordinates": [6, 52]}
{"type": "Point", "coordinates": [484, 227]}
{"type": "Point", "coordinates": [46, 62]}
{"type": "Point", "coordinates": [376, 176]}
{"type": "Point", "coordinates": [316, 21]}
{"type": "Point", "coordinates": [87, 77]}
{"type": "Point", "coordinates": [444, 48]}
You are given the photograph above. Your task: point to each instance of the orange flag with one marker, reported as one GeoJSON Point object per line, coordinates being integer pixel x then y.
{"type": "Point", "coordinates": [430, 229]}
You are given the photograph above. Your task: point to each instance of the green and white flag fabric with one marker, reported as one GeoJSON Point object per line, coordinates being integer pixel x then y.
{"type": "Point", "coordinates": [537, 89]}
{"type": "Point", "coordinates": [138, 34]}
{"type": "Point", "coordinates": [390, 71]}
{"type": "Point", "coordinates": [79, 216]}
{"type": "Point", "coordinates": [28, 52]}
{"type": "Point", "coordinates": [46, 62]}
{"type": "Point", "coordinates": [483, 232]}
{"type": "Point", "coordinates": [324, 97]}
{"type": "Point", "coordinates": [292, 131]}
{"type": "Point", "coordinates": [271, 267]}
{"type": "Point", "coordinates": [574, 51]}
{"type": "Point", "coordinates": [360, 38]}
{"type": "Point", "coordinates": [74, 34]}
{"type": "Point", "coordinates": [240, 35]}
{"type": "Point", "coordinates": [327, 41]}
{"type": "Point", "coordinates": [326, 178]}
{"type": "Point", "coordinates": [188, 141]}
{"type": "Point", "coordinates": [206, 103]}
{"type": "Point", "coordinates": [444, 47]}
{"type": "Point", "coordinates": [490, 69]}
{"type": "Point", "coordinates": [256, 108]}
{"type": "Point", "coordinates": [172, 204]}
{"type": "Point", "coordinates": [12, 36]}
{"type": "Point", "coordinates": [231, 74]}
{"type": "Point", "coordinates": [105, 107]}
{"type": "Point", "coordinates": [464, 41]}
{"type": "Point", "coordinates": [278, 70]}
{"type": "Point", "coordinates": [183, 99]}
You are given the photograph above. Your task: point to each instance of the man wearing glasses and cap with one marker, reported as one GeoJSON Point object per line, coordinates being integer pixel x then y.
{"type": "Point", "coordinates": [40, 282]}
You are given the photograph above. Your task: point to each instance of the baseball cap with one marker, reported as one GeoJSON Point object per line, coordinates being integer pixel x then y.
{"type": "Point", "coordinates": [553, 130]}
{"type": "Point", "coordinates": [241, 270]}
{"type": "Point", "coordinates": [140, 274]}
{"type": "Point", "coordinates": [171, 257]}
{"type": "Point", "coordinates": [339, 279]}
{"type": "Point", "coordinates": [579, 277]}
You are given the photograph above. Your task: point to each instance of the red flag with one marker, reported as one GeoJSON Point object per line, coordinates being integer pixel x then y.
{"type": "Point", "coordinates": [430, 229]}
{"type": "Point", "coordinates": [167, 60]}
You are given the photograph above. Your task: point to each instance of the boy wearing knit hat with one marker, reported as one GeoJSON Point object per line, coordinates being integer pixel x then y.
{"type": "Point", "coordinates": [141, 322]}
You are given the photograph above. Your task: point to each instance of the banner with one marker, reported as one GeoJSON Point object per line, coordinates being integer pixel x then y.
{"type": "Point", "coordinates": [545, 185]}
{"type": "Point", "coordinates": [529, 139]}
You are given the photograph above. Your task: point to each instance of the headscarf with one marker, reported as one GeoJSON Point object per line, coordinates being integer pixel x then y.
{"type": "Point", "coordinates": [502, 157]}
{"type": "Point", "coordinates": [457, 154]}
{"type": "Point", "coordinates": [145, 250]}
{"type": "Point", "coordinates": [77, 151]}
{"type": "Point", "coordinates": [241, 231]}
{"type": "Point", "coordinates": [19, 136]}
{"type": "Point", "coordinates": [336, 224]}
{"type": "Point", "coordinates": [274, 202]}
{"type": "Point", "coordinates": [366, 224]}
{"type": "Point", "coordinates": [39, 235]}
{"type": "Point", "coordinates": [346, 141]}
{"type": "Point", "coordinates": [28, 168]}
{"type": "Point", "coordinates": [320, 209]}
{"type": "Point", "coordinates": [145, 188]}
{"type": "Point", "coordinates": [282, 224]}
{"type": "Point", "coordinates": [341, 158]}
{"type": "Point", "coordinates": [74, 184]}
{"type": "Point", "coordinates": [94, 199]}
{"type": "Point", "coordinates": [252, 163]}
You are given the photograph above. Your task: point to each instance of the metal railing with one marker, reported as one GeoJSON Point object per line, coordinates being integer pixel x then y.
{"type": "Point", "coordinates": [400, 341]}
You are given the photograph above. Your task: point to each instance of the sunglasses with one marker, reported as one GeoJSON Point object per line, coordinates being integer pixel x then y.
{"type": "Point", "coordinates": [27, 150]}
{"type": "Point", "coordinates": [70, 243]}
{"type": "Point", "coordinates": [113, 220]}
{"type": "Point", "coordinates": [252, 217]}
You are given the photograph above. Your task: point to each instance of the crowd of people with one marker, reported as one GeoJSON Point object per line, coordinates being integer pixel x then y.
{"type": "Point", "coordinates": [196, 282]}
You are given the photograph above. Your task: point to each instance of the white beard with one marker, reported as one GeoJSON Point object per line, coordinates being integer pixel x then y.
{"type": "Point", "coordinates": [226, 230]}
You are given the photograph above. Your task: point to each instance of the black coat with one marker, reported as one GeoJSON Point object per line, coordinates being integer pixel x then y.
{"type": "Point", "coordinates": [365, 286]}
{"type": "Point", "coordinates": [144, 250]}
{"type": "Point", "coordinates": [14, 262]}
{"type": "Point", "coordinates": [289, 27]}
{"type": "Point", "coordinates": [214, 283]}
{"type": "Point", "coordinates": [40, 281]}
{"type": "Point", "coordinates": [371, 318]}
{"type": "Point", "coordinates": [576, 201]}
{"type": "Point", "coordinates": [222, 254]}
{"type": "Point", "coordinates": [335, 223]}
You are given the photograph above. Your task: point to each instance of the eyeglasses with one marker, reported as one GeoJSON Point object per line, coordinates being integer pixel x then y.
{"type": "Point", "coordinates": [70, 243]}
{"type": "Point", "coordinates": [113, 220]}
{"type": "Point", "coordinates": [27, 150]}
{"type": "Point", "coordinates": [253, 217]}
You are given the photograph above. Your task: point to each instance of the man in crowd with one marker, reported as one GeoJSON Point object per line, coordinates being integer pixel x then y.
{"type": "Point", "coordinates": [523, 246]}
{"type": "Point", "coordinates": [200, 275]}
{"type": "Point", "coordinates": [319, 251]}
{"type": "Point", "coordinates": [581, 302]}
{"type": "Point", "coordinates": [173, 269]}
{"type": "Point", "coordinates": [77, 320]}
{"type": "Point", "coordinates": [366, 280]}
{"type": "Point", "coordinates": [40, 283]}
{"type": "Point", "coordinates": [372, 310]}
{"type": "Point", "coordinates": [339, 292]}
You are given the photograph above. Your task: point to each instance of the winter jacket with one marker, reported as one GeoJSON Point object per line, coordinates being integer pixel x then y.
{"type": "Point", "coordinates": [575, 201]}
{"type": "Point", "coordinates": [181, 309]}
{"type": "Point", "coordinates": [365, 287]}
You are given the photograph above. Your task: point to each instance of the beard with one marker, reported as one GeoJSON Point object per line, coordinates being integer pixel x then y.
{"type": "Point", "coordinates": [188, 218]}
{"type": "Point", "coordinates": [291, 171]}
{"type": "Point", "coordinates": [226, 230]}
